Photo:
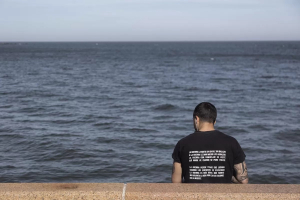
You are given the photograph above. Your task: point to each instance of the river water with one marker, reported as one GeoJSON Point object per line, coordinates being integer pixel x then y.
{"type": "Point", "coordinates": [113, 112]}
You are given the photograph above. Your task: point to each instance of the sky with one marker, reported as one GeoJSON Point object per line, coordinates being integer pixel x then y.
{"type": "Point", "coordinates": [149, 20]}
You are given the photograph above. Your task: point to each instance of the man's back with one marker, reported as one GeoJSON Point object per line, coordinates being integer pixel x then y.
{"type": "Point", "coordinates": [208, 157]}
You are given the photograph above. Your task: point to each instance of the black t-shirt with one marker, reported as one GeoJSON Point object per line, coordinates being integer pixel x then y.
{"type": "Point", "coordinates": [208, 157]}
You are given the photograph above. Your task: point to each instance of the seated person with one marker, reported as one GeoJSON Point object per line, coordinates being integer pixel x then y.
{"type": "Point", "coordinates": [208, 155]}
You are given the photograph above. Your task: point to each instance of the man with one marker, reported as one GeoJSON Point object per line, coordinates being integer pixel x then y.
{"type": "Point", "coordinates": [208, 155]}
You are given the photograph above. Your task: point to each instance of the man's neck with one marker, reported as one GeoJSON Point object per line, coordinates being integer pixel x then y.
{"type": "Point", "coordinates": [206, 127]}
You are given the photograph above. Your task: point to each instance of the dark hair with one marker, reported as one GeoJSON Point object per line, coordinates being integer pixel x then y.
{"type": "Point", "coordinates": [206, 112]}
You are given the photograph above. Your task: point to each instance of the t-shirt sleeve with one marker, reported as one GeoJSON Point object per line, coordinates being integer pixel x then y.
{"type": "Point", "coordinates": [176, 153]}
{"type": "Point", "coordinates": [238, 153]}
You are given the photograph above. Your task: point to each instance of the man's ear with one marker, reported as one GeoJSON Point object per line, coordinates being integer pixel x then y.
{"type": "Point", "coordinates": [215, 122]}
{"type": "Point", "coordinates": [197, 119]}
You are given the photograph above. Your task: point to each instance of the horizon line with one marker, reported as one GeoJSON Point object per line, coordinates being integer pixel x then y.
{"type": "Point", "coordinates": [147, 41]}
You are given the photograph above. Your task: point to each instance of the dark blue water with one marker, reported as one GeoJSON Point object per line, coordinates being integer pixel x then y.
{"type": "Point", "coordinates": [113, 112]}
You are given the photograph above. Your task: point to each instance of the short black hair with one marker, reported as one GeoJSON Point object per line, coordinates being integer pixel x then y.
{"type": "Point", "coordinates": [206, 112]}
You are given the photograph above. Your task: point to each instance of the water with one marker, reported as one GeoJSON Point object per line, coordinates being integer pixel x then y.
{"type": "Point", "coordinates": [113, 112]}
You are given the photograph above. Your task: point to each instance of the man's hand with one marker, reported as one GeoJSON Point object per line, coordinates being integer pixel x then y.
{"type": "Point", "coordinates": [177, 173]}
{"type": "Point", "coordinates": [241, 173]}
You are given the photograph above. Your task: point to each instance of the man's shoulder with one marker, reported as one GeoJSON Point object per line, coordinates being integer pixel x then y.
{"type": "Point", "coordinates": [227, 138]}
{"type": "Point", "coordinates": [186, 138]}
{"type": "Point", "coordinates": [225, 135]}
{"type": "Point", "coordinates": [193, 136]}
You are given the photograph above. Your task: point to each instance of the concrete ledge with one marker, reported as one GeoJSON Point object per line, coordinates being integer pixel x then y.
{"type": "Point", "coordinates": [47, 191]}
{"type": "Point", "coordinates": [211, 191]}
{"type": "Point", "coordinates": [61, 191]}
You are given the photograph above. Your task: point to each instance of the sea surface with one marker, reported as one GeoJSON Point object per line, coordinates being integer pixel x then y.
{"type": "Point", "coordinates": [113, 112]}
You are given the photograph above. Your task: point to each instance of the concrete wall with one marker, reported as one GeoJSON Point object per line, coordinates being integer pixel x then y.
{"type": "Point", "coordinates": [45, 191]}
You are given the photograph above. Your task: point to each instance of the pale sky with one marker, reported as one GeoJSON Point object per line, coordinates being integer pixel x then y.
{"type": "Point", "coordinates": [149, 20]}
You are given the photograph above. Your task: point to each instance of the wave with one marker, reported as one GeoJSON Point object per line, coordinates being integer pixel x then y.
{"type": "Point", "coordinates": [156, 145]}
{"type": "Point", "coordinates": [165, 107]}
{"type": "Point", "coordinates": [291, 135]}
{"type": "Point", "coordinates": [103, 124]}
{"type": "Point", "coordinates": [140, 130]}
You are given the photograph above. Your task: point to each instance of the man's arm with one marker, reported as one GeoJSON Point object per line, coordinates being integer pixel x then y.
{"type": "Point", "coordinates": [241, 173]}
{"type": "Point", "coordinates": [177, 173]}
